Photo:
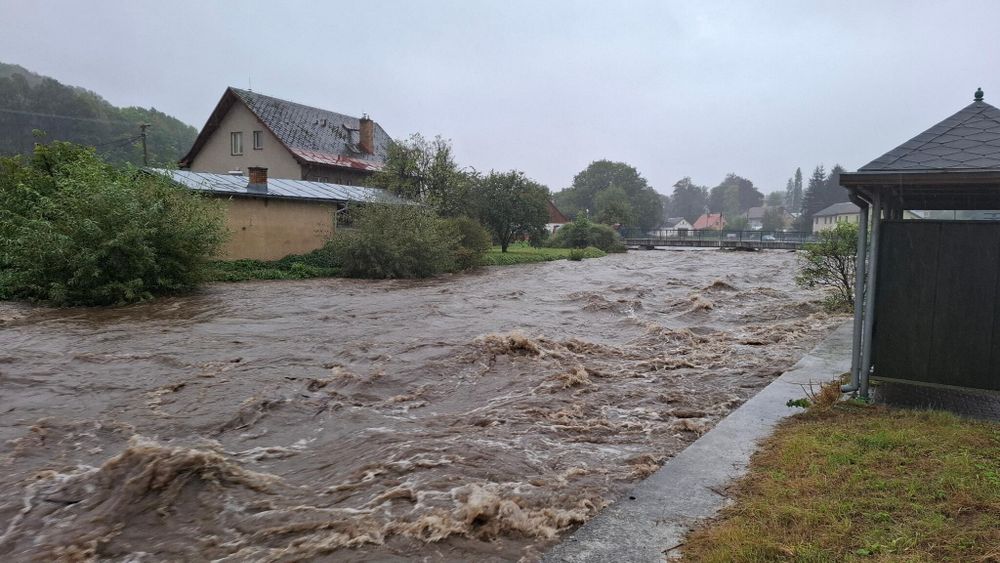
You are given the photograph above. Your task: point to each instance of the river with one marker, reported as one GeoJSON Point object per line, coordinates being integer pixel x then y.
{"type": "Point", "coordinates": [471, 417]}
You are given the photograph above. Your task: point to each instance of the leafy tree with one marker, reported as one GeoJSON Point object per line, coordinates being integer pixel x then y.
{"type": "Point", "coordinates": [602, 174]}
{"type": "Point", "coordinates": [613, 207]}
{"type": "Point", "coordinates": [582, 233]}
{"type": "Point", "coordinates": [829, 263]}
{"type": "Point", "coordinates": [426, 171]}
{"type": "Point", "coordinates": [510, 205]}
{"type": "Point", "coordinates": [668, 207]}
{"type": "Point", "coordinates": [77, 231]}
{"type": "Point", "coordinates": [734, 196]}
{"type": "Point", "coordinates": [774, 219]}
{"type": "Point", "coordinates": [737, 223]}
{"type": "Point", "coordinates": [689, 200]}
{"type": "Point", "coordinates": [775, 199]}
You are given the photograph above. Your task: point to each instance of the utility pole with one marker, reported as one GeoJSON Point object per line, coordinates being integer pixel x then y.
{"type": "Point", "coordinates": [142, 133]}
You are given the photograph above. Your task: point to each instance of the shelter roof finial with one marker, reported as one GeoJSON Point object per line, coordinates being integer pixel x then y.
{"type": "Point", "coordinates": [979, 94]}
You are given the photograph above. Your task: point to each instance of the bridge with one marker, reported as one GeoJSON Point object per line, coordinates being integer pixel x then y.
{"type": "Point", "coordinates": [711, 238]}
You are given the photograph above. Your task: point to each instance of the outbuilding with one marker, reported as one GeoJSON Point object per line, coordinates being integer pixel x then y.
{"type": "Point", "coordinates": [928, 291]}
{"type": "Point", "coordinates": [270, 218]}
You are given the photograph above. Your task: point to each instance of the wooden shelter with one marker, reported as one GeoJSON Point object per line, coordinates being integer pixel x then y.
{"type": "Point", "coordinates": [931, 310]}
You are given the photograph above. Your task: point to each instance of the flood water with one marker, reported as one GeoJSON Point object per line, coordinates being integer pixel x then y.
{"type": "Point", "coordinates": [474, 417]}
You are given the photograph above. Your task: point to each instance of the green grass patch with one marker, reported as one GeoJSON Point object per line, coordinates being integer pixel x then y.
{"type": "Point", "coordinates": [243, 270]}
{"type": "Point", "coordinates": [864, 483]}
{"type": "Point", "coordinates": [526, 254]}
{"type": "Point", "coordinates": [319, 263]}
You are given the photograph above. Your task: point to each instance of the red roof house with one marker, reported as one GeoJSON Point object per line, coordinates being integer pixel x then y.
{"type": "Point", "coordinates": [710, 221]}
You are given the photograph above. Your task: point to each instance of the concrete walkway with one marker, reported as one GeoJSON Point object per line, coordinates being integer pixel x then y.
{"type": "Point", "coordinates": [652, 520]}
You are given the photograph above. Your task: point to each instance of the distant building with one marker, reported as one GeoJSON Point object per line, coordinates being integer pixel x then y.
{"type": "Point", "coordinates": [270, 218]}
{"type": "Point", "coordinates": [827, 218]}
{"type": "Point", "coordinates": [291, 140]}
{"type": "Point", "coordinates": [710, 221]}
{"type": "Point", "coordinates": [755, 217]}
{"type": "Point", "coordinates": [556, 218]}
{"type": "Point", "coordinates": [672, 227]}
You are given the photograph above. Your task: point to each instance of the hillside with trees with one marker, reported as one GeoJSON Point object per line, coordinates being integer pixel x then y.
{"type": "Point", "coordinates": [35, 108]}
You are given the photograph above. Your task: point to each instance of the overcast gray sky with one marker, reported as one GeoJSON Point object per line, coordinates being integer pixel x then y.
{"type": "Point", "coordinates": [674, 88]}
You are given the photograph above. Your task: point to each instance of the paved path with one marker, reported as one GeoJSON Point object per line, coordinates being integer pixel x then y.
{"type": "Point", "coordinates": [654, 518]}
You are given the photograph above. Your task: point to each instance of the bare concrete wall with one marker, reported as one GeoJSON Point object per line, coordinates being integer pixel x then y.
{"type": "Point", "coordinates": [216, 155]}
{"type": "Point", "coordinates": [268, 229]}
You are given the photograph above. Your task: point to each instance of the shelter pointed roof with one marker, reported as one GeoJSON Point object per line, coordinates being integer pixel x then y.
{"type": "Point", "coordinates": [968, 140]}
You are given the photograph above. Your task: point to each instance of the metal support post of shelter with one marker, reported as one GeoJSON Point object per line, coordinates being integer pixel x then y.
{"type": "Point", "coordinates": [864, 369]}
{"type": "Point", "coordinates": [859, 298]}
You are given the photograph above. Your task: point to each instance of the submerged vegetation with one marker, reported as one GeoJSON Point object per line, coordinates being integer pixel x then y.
{"type": "Point", "coordinates": [854, 482]}
{"type": "Point", "coordinates": [77, 231]}
{"type": "Point", "coordinates": [583, 233]}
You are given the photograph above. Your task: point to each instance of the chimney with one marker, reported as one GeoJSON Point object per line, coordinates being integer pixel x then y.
{"type": "Point", "coordinates": [258, 179]}
{"type": "Point", "coordinates": [366, 132]}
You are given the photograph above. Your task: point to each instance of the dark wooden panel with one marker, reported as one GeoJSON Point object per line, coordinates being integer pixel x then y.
{"type": "Point", "coordinates": [962, 338]}
{"type": "Point", "coordinates": [904, 298]}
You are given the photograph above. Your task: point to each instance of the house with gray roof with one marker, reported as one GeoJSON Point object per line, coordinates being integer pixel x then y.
{"type": "Point", "coordinates": [828, 217]}
{"type": "Point", "coordinates": [293, 141]}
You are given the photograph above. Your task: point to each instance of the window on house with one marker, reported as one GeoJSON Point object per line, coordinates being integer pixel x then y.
{"type": "Point", "coordinates": [258, 140]}
{"type": "Point", "coordinates": [236, 143]}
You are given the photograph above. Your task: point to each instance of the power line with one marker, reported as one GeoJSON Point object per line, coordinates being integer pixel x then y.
{"type": "Point", "coordinates": [52, 115]}
{"type": "Point", "coordinates": [118, 141]}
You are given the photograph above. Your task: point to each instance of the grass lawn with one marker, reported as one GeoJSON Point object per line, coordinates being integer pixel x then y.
{"type": "Point", "coordinates": [864, 483]}
{"type": "Point", "coordinates": [524, 254]}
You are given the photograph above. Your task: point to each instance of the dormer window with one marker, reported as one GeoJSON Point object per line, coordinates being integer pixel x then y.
{"type": "Point", "coordinates": [258, 140]}
{"type": "Point", "coordinates": [236, 143]}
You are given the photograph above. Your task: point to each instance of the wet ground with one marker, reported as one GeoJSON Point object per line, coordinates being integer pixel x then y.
{"type": "Point", "coordinates": [472, 417]}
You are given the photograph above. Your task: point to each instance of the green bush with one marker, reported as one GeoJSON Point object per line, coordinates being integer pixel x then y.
{"type": "Point", "coordinates": [76, 231]}
{"type": "Point", "coordinates": [829, 263]}
{"type": "Point", "coordinates": [396, 241]}
{"type": "Point", "coordinates": [582, 233]}
{"type": "Point", "coordinates": [576, 254]}
{"type": "Point", "coordinates": [473, 242]}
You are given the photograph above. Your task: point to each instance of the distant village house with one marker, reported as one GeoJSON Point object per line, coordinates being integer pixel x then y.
{"type": "Point", "coordinates": [556, 218]}
{"type": "Point", "coordinates": [291, 140]}
{"type": "Point", "coordinates": [828, 217]}
{"type": "Point", "coordinates": [672, 227]}
{"type": "Point", "coordinates": [710, 221]}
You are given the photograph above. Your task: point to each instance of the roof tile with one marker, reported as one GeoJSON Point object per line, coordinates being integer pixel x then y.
{"type": "Point", "coordinates": [967, 139]}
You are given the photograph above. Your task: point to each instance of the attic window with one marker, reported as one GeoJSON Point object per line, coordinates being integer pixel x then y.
{"type": "Point", "coordinates": [258, 140]}
{"type": "Point", "coordinates": [236, 143]}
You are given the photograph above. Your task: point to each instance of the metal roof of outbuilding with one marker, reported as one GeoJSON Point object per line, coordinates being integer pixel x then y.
{"type": "Point", "coordinates": [279, 188]}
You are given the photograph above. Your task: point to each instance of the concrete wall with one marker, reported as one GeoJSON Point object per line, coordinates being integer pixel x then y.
{"type": "Point", "coordinates": [830, 221]}
{"type": "Point", "coordinates": [269, 229]}
{"type": "Point", "coordinates": [216, 155]}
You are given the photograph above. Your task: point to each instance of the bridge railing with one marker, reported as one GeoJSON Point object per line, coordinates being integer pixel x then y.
{"type": "Point", "coordinates": [716, 234]}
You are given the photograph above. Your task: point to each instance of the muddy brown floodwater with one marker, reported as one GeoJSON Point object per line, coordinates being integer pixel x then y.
{"type": "Point", "coordinates": [470, 418]}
